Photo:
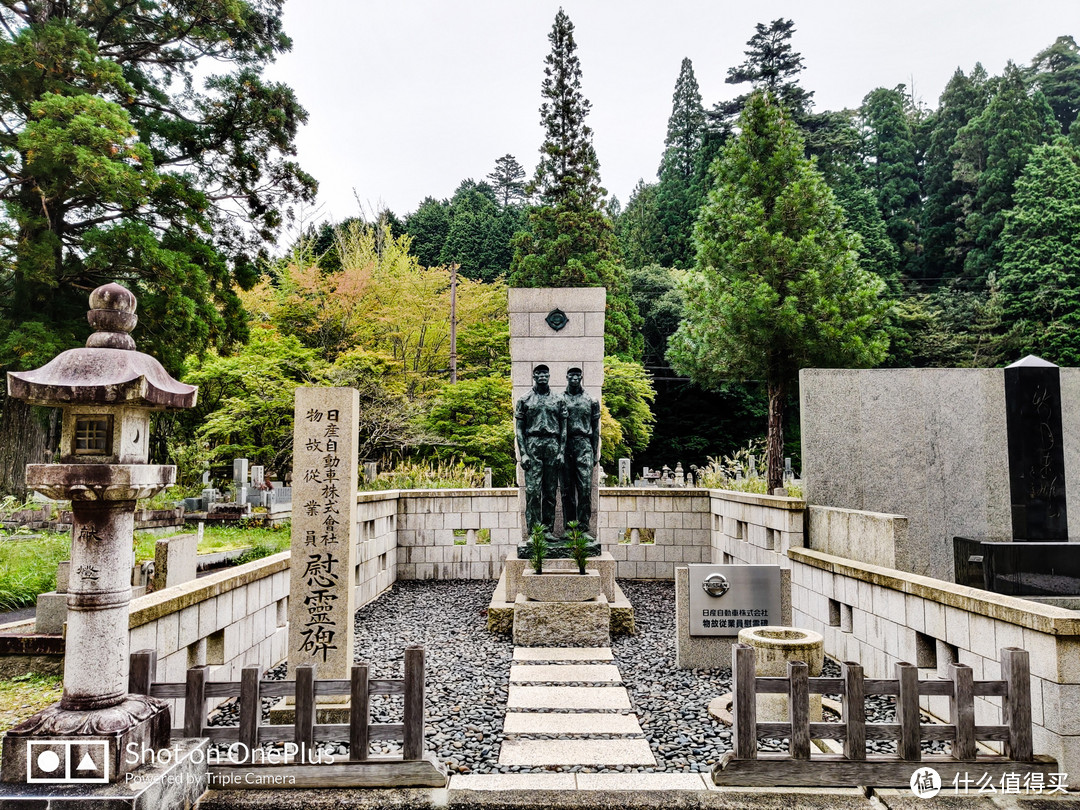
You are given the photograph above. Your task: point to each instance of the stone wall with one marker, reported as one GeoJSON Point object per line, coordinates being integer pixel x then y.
{"type": "Point", "coordinates": [755, 529]}
{"type": "Point", "coordinates": [226, 620]}
{"type": "Point", "coordinates": [869, 537]}
{"type": "Point", "coordinates": [879, 616]}
{"type": "Point", "coordinates": [651, 531]}
{"type": "Point", "coordinates": [376, 545]}
{"type": "Point", "coordinates": [455, 533]}
{"type": "Point", "coordinates": [928, 444]}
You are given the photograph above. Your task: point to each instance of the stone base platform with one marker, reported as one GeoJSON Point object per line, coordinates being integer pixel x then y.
{"type": "Point", "coordinates": [175, 784]}
{"type": "Point", "coordinates": [551, 624]}
{"type": "Point", "coordinates": [500, 614]}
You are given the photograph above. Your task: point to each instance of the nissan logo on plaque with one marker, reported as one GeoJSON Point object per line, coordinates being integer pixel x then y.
{"type": "Point", "coordinates": [724, 599]}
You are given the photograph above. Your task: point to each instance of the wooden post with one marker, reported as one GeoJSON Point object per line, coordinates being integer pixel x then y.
{"type": "Point", "coordinates": [195, 702]}
{"type": "Point", "coordinates": [744, 695]}
{"type": "Point", "coordinates": [1016, 705]}
{"type": "Point", "coordinates": [907, 712]}
{"type": "Point", "coordinates": [304, 729]}
{"type": "Point", "coordinates": [413, 747]}
{"type": "Point", "coordinates": [962, 712]}
{"type": "Point", "coordinates": [250, 707]}
{"type": "Point", "coordinates": [141, 672]}
{"type": "Point", "coordinates": [359, 714]}
{"type": "Point", "coordinates": [799, 709]}
{"type": "Point", "coordinates": [453, 324]}
{"type": "Point", "coordinates": [853, 705]}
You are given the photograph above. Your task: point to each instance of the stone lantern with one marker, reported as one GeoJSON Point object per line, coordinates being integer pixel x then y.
{"type": "Point", "coordinates": [107, 391]}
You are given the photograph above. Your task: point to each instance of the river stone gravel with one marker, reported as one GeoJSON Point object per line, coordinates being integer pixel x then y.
{"type": "Point", "coordinates": [468, 669]}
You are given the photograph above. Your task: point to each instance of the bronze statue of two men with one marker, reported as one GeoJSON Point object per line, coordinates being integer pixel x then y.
{"type": "Point", "coordinates": [558, 438]}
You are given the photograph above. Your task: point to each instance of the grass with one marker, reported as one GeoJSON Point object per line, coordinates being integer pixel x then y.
{"type": "Point", "coordinates": [424, 475]}
{"type": "Point", "coordinates": [23, 695]}
{"type": "Point", "coordinates": [28, 567]}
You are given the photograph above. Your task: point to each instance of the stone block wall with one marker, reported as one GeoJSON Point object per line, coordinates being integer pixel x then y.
{"type": "Point", "coordinates": [869, 537]}
{"type": "Point", "coordinates": [879, 616]}
{"type": "Point", "coordinates": [456, 534]}
{"type": "Point", "coordinates": [226, 621]}
{"type": "Point", "coordinates": [754, 529]}
{"type": "Point", "coordinates": [376, 545]}
{"type": "Point", "coordinates": [651, 531]}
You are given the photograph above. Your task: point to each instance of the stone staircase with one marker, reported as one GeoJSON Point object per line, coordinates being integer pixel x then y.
{"type": "Point", "coordinates": [567, 706]}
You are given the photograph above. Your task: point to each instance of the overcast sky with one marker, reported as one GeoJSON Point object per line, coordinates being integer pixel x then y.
{"type": "Point", "coordinates": [408, 98]}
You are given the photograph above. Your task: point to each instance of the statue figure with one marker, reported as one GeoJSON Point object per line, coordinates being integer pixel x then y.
{"type": "Point", "coordinates": [540, 427]}
{"type": "Point", "coordinates": [582, 451]}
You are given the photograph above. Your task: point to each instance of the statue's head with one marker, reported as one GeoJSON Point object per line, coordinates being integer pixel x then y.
{"type": "Point", "coordinates": [541, 375]}
{"type": "Point", "coordinates": [573, 378]}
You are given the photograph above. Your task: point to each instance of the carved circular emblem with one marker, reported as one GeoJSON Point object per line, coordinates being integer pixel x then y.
{"type": "Point", "coordinates": [715, 585]}
{"type": "Point", "coordinates": [557, 319]}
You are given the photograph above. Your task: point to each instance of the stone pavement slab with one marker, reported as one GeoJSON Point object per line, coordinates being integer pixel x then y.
{"type": "Point", "coordinates": [566, 723]}
{"type": "Point", "coordinates": [566, 673]}
{"type": "Point", "coordinates": [513, 781]}
{"type": "Point", "coordinates": [567, 697]}
{"type": "Point", "coordinates": [643, 781]}
{"type": "Point", "coordinates": [563, 654]}
{"type": "Point", "coordinates": [575, 752]}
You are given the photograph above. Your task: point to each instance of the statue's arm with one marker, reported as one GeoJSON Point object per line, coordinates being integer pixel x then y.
{"type": "Point", "coordinates": [594, 418]}
{"type": "Point", "coordinates": [519, 432]}
{"type": "Point", "coordinates": [563, 419]}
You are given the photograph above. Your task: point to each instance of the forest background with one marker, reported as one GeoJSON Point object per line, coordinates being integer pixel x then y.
{"type": "Point", "coordinates": [118, 167]}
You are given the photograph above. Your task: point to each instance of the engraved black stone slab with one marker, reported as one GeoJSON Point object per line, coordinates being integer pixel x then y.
{"type": "Point", "coordinates": [1019, 569]}
{"type": "Point", "coordinates": [1036, 450]}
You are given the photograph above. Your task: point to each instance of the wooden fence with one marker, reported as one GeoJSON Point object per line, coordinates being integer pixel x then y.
{"type": "Point", "coordinates": [412, 768]}
{"type": "Point", "coordinates": [746, 766]}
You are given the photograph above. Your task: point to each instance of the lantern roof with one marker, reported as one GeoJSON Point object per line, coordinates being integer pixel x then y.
{"type": "Point", "coordinates": [109, 371]}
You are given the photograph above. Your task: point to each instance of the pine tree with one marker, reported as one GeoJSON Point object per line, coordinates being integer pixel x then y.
{"type": "Point", "coordinates": [893, 170]}
{"type": "Point", "coordinates": [1057, 75]}
{"type": "Point", "coordinates": [428, 226]}
{"type": "Point", "coordinates": [508, 180]}
{"type": "Point", "coordinates": [964, 99]}
{"type": "Point", "coordinates": [679, 193]}
{"type": "Point", "coordinates": [639, 229]}
{"type": "Point", "coordinates": [993, 150]}
{"type": "Point", "coordinates": [1040, 268]}
{"type": "Point", "coordinates": [570, 242]}
{"type": "Point", "coordinates": [778, 287]}
{"type": "Point", "coordinates": [569, 173]}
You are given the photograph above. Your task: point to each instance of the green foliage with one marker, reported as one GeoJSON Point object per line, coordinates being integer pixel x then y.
{"type": "Point", "coordinates": [992, 152]}
{"type": "Point", "coordinates": [28, 567]}
{"type": "Point", "coordinates": [778, 286]}
{"type": "Point", "coordinates": [136, 164]}
{"type": "Point", "coordinates": [450, 474]}
{"type": "Point", "coordinates": [1040, 270]}
{"type": "Point", "coordinates": [893, 171]}
{"type": "Point", "coordinates": [638, 227]}
{"type": "Point", "coordinates": [538, 547]}
{"type": "Point", "coordinates": [658, 297]}
{"type": "Point", "coordinates": [508, 181]}
{"type": "Point", "coordinates": [246, 400]}
{"type": "Point", "coordinates": [475, 420]}
{"type": "Point", "coordinates": [428, 226]}
{"type": "Point", "coordinates": [569, 241]}
{"type": "Point", "coordinates": [1057, 75]}
{"type": "Point", "coordinates": [578, 544]}
{"type": "Point", "coordinates": [627, 394]}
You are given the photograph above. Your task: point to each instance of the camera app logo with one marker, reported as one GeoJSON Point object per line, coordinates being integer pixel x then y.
{"type": "Point", "coordinates": [67, 762]}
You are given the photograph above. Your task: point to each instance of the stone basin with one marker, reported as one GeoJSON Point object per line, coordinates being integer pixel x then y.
{"type": "Point", "coordinates": [561, 586]}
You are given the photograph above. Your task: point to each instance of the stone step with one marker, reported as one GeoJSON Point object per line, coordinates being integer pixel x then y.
{"type": "Point", "coordinates": [563, 654]}
{"type": "Point", "coordinates": [565, 673]}
{"type": "Point", "coordinates": [567, 697]}
{"type": "Point", "coordinates": [570, 723]}
{"type": "Point", "coordinates": [575, 752]}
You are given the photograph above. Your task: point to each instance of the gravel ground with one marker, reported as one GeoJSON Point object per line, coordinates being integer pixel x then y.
{"type": "Point", "coordinates": [468, 671]}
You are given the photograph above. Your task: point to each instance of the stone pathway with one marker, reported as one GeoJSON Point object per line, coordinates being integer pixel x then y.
{"type": "Point", "coordinates": [567, 707]}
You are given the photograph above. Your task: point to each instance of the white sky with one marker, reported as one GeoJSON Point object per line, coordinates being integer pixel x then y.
{"type": "Point", "coordinates": [406, 98]}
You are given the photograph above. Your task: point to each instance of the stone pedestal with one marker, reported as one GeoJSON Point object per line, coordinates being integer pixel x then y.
{"type": "Point", "coordinates": [551, 586]}
{"type": "Point", "coordinates": [774, 648]}
{"type": "Point", "coordinates": [604, 565]}
{"type": "Point", "coordinates": [562, 624]}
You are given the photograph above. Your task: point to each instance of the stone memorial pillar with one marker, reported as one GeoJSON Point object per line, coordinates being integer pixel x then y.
{"type": "Point", "coordinates": [624, 472]}
{"type": "Point", "coordinates": [324, 535]}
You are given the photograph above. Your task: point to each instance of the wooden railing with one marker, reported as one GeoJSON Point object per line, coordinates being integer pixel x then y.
{"type": "Point", "coordinates": [305, 690]}
{"type": "Point", "coordinates": [854, 766]}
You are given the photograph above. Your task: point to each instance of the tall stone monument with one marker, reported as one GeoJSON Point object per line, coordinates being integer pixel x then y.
{"type": "Point", "coordinates": [324, 533]}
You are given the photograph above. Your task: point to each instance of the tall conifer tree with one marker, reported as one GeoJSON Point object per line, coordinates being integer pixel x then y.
{"type": "Point", "coordinates": [570, 242]}
{"type": "Point", "coordinates": [679, 193]}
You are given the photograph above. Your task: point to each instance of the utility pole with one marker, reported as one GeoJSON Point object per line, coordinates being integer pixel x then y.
{"type": "Point", "coordinates": [453, 322]}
